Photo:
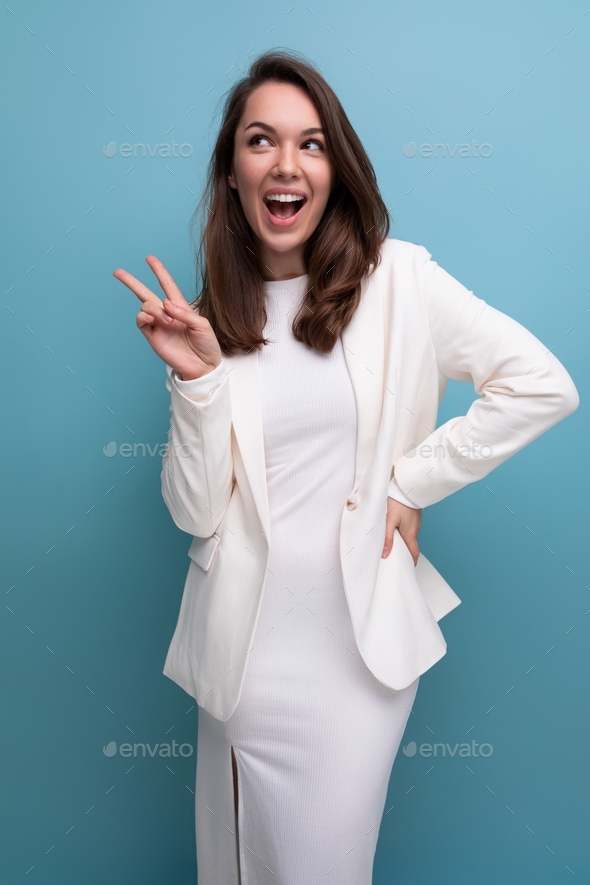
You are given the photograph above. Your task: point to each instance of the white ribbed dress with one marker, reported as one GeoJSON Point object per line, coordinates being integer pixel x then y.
{"type": "Point", "coordinates": [314, 734]}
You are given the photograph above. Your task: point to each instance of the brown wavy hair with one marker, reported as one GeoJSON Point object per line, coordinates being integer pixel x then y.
{"type": "Point", "coordinates": [343, 248]}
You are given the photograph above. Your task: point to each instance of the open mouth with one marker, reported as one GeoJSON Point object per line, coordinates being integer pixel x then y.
{"type": "Point", "coordinates": [284, 205]}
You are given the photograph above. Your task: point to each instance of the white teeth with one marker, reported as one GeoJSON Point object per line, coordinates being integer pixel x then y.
{"type": "Point", "coordinates": [284, 198]}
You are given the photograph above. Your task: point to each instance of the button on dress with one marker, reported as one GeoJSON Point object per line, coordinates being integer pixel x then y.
{"type": "Point", "coordinates": [314, 733]}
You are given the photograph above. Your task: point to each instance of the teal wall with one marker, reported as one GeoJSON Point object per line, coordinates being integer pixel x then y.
{"type": "Point", "coordinates": [93, 566]}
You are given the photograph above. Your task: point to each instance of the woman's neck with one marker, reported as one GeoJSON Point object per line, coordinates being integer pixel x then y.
{"type": "Point", "coordinates": [279, 266]}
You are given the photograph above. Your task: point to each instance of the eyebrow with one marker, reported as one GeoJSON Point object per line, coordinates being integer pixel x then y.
{"type": "Point", "coordinates": [313, 131]}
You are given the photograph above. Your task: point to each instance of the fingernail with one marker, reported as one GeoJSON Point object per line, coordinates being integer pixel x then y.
{"type": "Point", "coordinates": [167, 319]}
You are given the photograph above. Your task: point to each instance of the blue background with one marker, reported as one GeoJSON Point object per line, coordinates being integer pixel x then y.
{"type": "Point", "coordinates": [93, 567]}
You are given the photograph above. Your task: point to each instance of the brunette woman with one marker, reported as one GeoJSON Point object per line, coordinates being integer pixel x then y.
{"type": "Point", "coordinates": [311, 363]}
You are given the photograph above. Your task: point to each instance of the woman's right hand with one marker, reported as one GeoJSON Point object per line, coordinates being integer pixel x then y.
{"type": "Point", "coordinates": [180, 337]}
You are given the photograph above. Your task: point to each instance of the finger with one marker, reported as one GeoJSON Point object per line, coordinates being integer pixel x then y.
{"type": "Point", "coordinates": [169, 287]}
{"type": "Point", "coordinates": [156, 310]}
{"type": "Point", "coordinates": [391, 523]}
{"type": "Point", "coordinates": [144, 319]}
{"type": "Point", "coordinates": [145, 327]}
{"type": "Point", "coordinates": [388, 544]}
{"type": "Point", "coordinates": [415, 551]}
{"type": "Point", "coordinates": [412, 545]}
{"type": "Point", "coordinates": [185, 315]}
{"type": "Point", "coordinates": [137, 287]}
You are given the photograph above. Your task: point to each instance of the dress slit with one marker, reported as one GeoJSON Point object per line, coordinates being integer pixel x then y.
{"type": "Point", "coordinates": [234, 768]}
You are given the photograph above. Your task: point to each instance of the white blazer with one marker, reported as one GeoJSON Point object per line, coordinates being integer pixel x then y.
{"type": "Point", "coordinates": [415, 328]}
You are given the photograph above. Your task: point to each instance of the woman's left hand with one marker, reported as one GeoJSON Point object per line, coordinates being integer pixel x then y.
{"type": "Point", "coordinates": [407, 521]}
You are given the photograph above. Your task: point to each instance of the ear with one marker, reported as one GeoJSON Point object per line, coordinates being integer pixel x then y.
{"type": "Point", "coordinates": [232, 181]}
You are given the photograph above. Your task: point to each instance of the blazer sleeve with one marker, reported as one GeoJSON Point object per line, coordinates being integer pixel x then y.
{"type": "Point", "coordinates": [523, 389]}
{"type": "Point", "coordinates": [197, 469]}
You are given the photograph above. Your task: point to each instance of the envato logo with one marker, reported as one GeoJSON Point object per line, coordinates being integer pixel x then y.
{"type": "Point", "coordinates": [161, 150]}
{"type": "Point", "coordinates": [165, 750]}
{"type": "Point", "coordinates": [460, 150]}
{"type": "Point", "coordinates": [426, 450]}
{"type": "Point", "coordinates": [127, 450]}
{"type": "Point", "coordinates": [428, 750]}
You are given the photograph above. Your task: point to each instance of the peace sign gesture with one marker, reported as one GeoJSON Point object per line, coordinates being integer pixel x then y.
{"type": "Point", "coordinates": [180, 337]}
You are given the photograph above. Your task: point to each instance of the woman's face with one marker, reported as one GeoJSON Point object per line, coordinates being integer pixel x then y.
{"type": "Point", "coordinates": [280, 152]}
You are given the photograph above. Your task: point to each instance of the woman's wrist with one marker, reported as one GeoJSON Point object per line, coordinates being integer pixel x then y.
{"type": "Point", "coordinates": [194, 373]}
{"type": "Point", "coordinates": [202, 387]}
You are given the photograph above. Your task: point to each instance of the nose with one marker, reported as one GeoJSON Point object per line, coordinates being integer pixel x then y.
{"type": "Point", "coordinates": [287, 165]}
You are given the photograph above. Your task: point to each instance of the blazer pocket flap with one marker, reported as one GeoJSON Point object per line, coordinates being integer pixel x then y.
{"type": "Point", "coordinates": [203, 550]}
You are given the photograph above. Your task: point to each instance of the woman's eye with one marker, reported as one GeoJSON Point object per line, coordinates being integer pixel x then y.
{"type": "Point", "coordinates": [262, 140]}
{"type": "Point", "coordinates": [315, 145]}
{"type": "Point", "coordinates": [256, 139]}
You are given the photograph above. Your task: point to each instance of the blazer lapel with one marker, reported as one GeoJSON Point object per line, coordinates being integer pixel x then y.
{"type": "Point", "coordinates": [363, 341]}
{"type": "Point", "coordinates": [363, 345]}
{"type": "Point", "coordinates": [244, 389]}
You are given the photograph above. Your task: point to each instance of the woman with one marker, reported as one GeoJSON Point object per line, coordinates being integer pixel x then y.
{"type": "Point", "coordinates": [301, 384]}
